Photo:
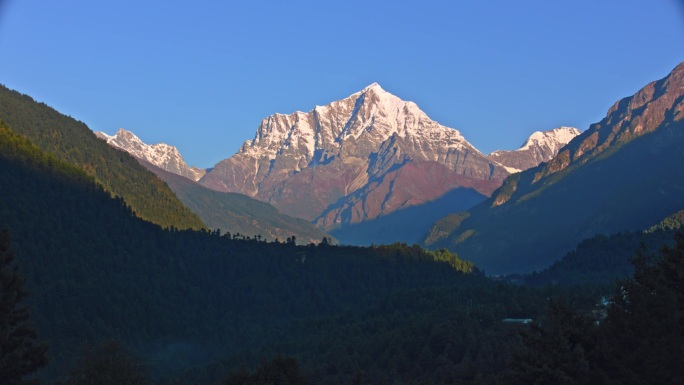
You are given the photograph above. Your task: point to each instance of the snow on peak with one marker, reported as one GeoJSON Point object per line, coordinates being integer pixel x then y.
{"type": "Point", "coordinates": [374, 86]}
{"type": "Point", "coordinates": [539, 147]}
{"type": "Point", "coordinates": [371, 115]}
{"type": "Point", "coordinates": [103, 136]}
{"type": "Point", "coordinates": [554, 139]}
{"type": "Point", "coordinates": [161, 155]}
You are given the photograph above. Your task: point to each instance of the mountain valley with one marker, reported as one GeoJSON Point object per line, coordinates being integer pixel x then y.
{"type": "Point", "coordinates": [121, 269]}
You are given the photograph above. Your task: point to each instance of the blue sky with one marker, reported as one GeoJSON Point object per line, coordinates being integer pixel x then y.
{"type": "Point", "coordinates": [201, 75]}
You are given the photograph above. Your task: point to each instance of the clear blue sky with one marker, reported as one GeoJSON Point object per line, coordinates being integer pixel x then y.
{"type": "Point", "coordinates": [201, 75]}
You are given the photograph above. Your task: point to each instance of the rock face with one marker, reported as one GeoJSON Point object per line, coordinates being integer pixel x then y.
{"type": "Point", "coordinates": [539, 147]}
{"type": "Point", "coordinates": [161, 155]}
{"type": "Point", "coordinates": [623, 173]}
{"type": "Point", "coordinates": [354, 159]}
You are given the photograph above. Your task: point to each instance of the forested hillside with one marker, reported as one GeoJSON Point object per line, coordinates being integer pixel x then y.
{"type": "Point", "coordinates": [185, 298]}
{"type": "Point", "coordinates": [119, 173]}
{"type": "Point", "coordinates": [194, 306]}
{"type": "Point", "coordinates": [637, 339]}
{"type": "Point", "coordinates": [601, 260]}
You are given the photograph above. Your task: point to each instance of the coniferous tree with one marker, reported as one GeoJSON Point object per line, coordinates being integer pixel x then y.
{"type": "Point", "coordinates": [643, 336]}
{"type": "Point", "coordinates": [108, 364]}
{"type": "Point", "coordinates": [278, 371]}
{"type": "Point", "coordinates": [555, 353]}
{"type": "Point", "coordinates": [21, 353]}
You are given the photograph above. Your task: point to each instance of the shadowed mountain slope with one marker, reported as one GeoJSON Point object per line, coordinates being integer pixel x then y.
{"type": "Point", "coordinates": [238, 213]}
{"type": "Point", "coordinates": [407, 225]}
{"type": "Point", "coordinates": [623, 173]}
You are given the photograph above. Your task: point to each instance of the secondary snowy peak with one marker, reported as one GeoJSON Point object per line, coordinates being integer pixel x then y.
{"type": "Point", "coordinates": [161, 155]}
{"type": "Point", "coordinates": [539, 147]}
{"type": "Point", "coordinates": [553, 139]}
{"type": "Point", "coordinates": [338, 148]}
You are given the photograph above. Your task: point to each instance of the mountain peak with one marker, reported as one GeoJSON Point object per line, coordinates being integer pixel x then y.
{"type": "Point", "coordinates": [556, 138]}
{"type": "Point", "coordinates": [539, 147]}
{"type": "Point", "coordinates": [373, 86]}
{"type": "Point", "coordinates": [125, 136]}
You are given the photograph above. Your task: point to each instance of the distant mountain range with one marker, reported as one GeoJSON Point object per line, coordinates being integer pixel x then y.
{"type": "Point", "coordinates": [191, 299]}
{"type": "Point", "coordinates": [623, 173]}
{"type": "Point", "coordinates": [372, 168]}
{"type": "Point", "coordinates": [355, 161]}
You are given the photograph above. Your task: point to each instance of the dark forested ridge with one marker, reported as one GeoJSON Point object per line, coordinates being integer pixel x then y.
{"type": "Point", "coordinates": [119, 173]}
{"type": "Point", "coordinates": [186, 298]}
{"type": "Point", "coordinates": [601, 260]}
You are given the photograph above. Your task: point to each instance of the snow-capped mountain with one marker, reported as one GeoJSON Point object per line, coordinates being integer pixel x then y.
{"type": "Point", "coordinates": [539, 147]}
{"type": "Point", "coordinates": [161, 155]}
{"type": "Point", "coordinates": [308, 163]}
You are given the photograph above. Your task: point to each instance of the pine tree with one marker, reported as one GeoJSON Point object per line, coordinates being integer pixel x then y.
{"type": "Point", "coordinates": [555, 353]}
{"type": "Point", "coordinates": [643, 335]}
{"type": "Point", "coordinates": [21, 354]}
{"type": "Point", "coordinates": [108, 363]}
{"type": "Point", "coordinates": [280, 370]}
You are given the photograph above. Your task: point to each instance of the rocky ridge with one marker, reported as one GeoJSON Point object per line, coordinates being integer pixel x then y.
{"type": "Point", "coordinates": [623, 173]}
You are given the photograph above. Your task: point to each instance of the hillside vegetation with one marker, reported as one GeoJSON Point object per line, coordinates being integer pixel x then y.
{"type": "Point", "coordinates": [119, 173]}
